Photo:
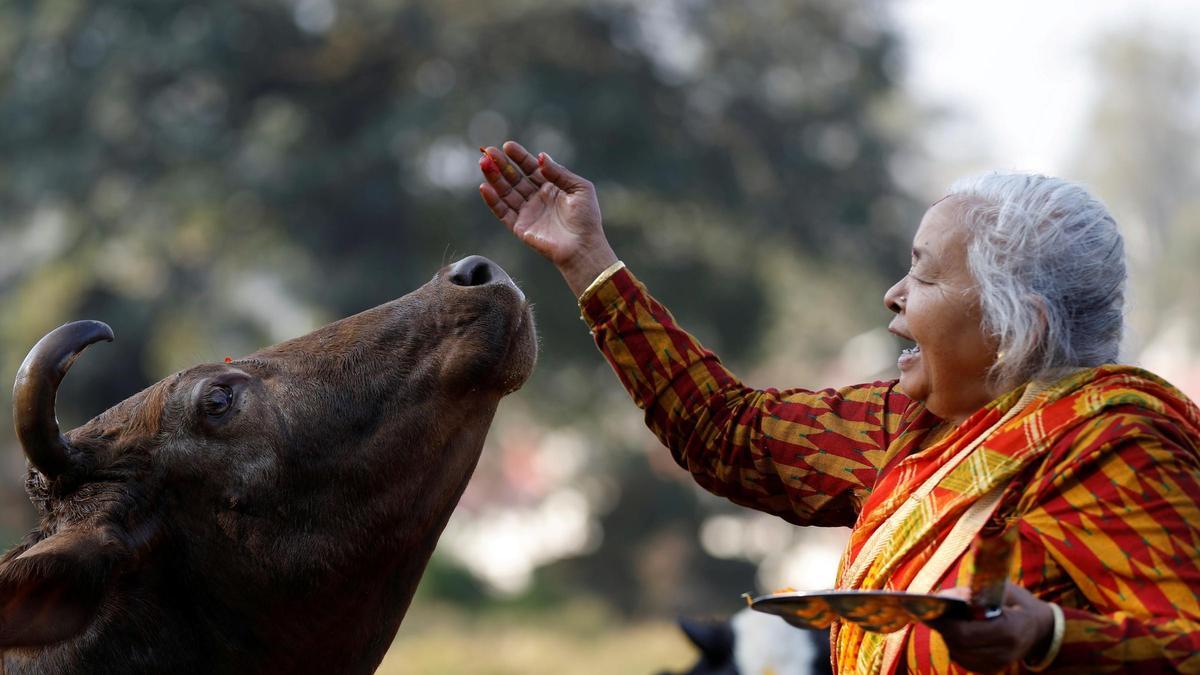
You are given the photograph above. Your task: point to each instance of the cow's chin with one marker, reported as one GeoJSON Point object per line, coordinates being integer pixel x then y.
{"type": "Point", "coordinates": [496, 358]}
{"type": "Point", "coordinates": [522, 353]}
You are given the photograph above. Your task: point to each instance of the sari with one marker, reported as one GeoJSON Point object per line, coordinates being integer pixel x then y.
{"type": "Point", "coordinates": [1005, 445]}
{"type": "Point", "coordinates": [1099, 471]}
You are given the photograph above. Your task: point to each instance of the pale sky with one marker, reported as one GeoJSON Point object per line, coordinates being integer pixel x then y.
{"type": "Point", "coordinates": [1019, 72]}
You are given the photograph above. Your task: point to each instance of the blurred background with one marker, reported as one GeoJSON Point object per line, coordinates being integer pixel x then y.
{"type": "Point", "coordinates": [212, 177]}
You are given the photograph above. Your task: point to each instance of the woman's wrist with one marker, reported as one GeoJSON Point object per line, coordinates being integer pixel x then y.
{"type": "Point", "coordinates": [599, 281]}
{"type": "Point", "coordinates": [1046, 649]}
{"type": "Point", "coordinates": [581, 270]}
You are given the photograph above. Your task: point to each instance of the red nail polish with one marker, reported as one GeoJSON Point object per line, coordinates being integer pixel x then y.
{"type": "Point", "coordinates": [488, 164]}
{"type": "Point", "coordinates": [541, 159]}
{"type": "Point", "coordinates": [228, 359]}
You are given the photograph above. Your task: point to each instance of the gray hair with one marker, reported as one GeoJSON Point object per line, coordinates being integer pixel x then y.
{"type": "Point", "coordinates": [1050, 268]}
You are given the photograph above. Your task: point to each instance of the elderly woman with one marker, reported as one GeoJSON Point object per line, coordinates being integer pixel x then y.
{"type": "Point", "coordinates": [1010, 411]}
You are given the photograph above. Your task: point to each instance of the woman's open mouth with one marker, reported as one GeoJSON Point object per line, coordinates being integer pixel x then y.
{"type": "Point", "coordinates": [908, 356]}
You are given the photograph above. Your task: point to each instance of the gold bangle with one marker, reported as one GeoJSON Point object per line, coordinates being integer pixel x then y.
{"type": "Point", "coordinates": [1060, 627]}
{"type": "Point", "coordinates": [604, 276]}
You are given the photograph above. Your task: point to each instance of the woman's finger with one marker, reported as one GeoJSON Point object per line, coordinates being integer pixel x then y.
{"type": "Point", "coordinates": [560, 176]}
{"type": "Point", "coordinates": [499, 209]}
{"type": "Point", "coordinates": [528, 163]}
{"type": "Point", "coordinates": [511, 172]}
{"type": "Point", "coordinates": [502, 186]}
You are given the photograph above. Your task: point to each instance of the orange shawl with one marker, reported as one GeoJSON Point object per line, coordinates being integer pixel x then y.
{"type": "Point", "coordinates": [911, 538]}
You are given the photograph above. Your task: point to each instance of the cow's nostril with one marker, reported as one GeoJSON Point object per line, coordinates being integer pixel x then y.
{"type": "Point", "coordinates": [480, 275]}
{"type": "Point", "coordinates": [475, 270]}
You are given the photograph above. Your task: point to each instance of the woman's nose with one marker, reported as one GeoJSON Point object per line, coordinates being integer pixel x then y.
{"type": "Point", "coordinates": [895, 297]}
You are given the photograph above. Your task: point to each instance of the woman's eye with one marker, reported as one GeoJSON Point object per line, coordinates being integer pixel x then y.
{"type": "Point", "coordinates": [217, 401]}
{"type": "Point", "coordinates": [916, 278]}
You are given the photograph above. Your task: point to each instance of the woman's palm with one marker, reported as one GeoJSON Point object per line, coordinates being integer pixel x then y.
{"type": "Point", "coordinates": [554, 222]}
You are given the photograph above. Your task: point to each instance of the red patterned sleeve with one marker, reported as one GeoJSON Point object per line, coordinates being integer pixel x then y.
{"type": "Point", "coordinates": [1120, 516]}
{"type": "Point", "coordinates": [810, 457]}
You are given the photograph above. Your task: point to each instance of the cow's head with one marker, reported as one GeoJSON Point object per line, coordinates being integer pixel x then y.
{"type": "Point", "coordinates": [292, 496]}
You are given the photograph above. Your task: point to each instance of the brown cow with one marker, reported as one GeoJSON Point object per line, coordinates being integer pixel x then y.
{"type": "Point", "coordinates": [272, 514]}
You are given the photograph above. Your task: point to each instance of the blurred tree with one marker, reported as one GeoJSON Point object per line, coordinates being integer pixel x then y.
{"type": "Point", "coordinates": [213, 176]}
{"type": "Point", "coordinates": [650, 561]}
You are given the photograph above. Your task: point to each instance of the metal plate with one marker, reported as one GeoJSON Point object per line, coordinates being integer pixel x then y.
{"type": "Point", "coordinates": [876, 611]}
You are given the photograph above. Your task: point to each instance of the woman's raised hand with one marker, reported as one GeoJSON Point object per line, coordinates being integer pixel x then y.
{"type": "Point", "coordinates": [552, 210]}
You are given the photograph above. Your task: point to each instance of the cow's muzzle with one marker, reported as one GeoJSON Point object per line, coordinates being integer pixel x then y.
{"type": "Point", "coordinates": [476, 270]}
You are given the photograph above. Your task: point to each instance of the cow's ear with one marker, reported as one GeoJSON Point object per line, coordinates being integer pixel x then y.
{"type": "Point", "coordinates": [52, 591]}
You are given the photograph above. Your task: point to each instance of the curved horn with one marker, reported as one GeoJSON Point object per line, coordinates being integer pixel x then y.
{"type": "Point", "coordinates": [36, 387]}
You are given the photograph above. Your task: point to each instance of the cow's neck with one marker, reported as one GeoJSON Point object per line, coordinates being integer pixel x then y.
{"type": "Point", "coordinates": [372, 583]}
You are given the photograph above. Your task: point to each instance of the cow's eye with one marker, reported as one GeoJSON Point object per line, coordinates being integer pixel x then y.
{"type": "Point", "coordinates": [217, 401]}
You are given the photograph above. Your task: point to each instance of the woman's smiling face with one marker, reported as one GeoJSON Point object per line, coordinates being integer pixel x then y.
{"type": "Point", "coordinates": [937, 307]}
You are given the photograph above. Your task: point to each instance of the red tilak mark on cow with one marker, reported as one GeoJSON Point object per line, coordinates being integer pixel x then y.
{"type": "Point", "coordinates": [228, 359]}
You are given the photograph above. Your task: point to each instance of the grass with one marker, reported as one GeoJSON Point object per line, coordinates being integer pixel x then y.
{"type": "Point", "coordinates": [582, 638]}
